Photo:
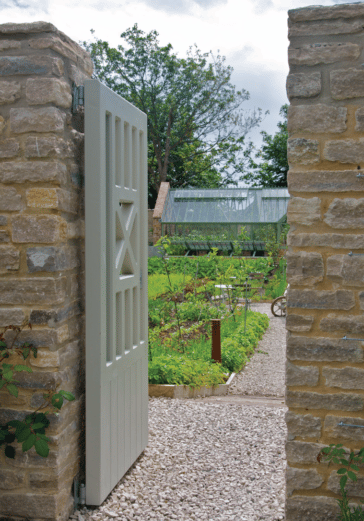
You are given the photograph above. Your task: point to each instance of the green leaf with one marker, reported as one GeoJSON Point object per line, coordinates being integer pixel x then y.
{"type": "Point", "coordinates": [37, 426]}
{"type": "Point", "coordinates": [352, 476]}
{"type": "Point", "coordinates": [23, 434]}
{"type": "Point", "coordinates": [41, 447]}
{"type": "Point", "coordinates": [2, 343]}
{"type": "Point", "coordinates": [9, 452]}
{"type": "Point", "coordinates": [8, 375]}
{"type": "Point", "coordinates": [26, 352]}
{"type": "Point", "coordinates": [342, 471]}
{"type": "Point", "coordinates": [2, 383]}
{"type": "Point", "coordinates": [20, 367]}
{"type": "Point", "coordinates": [29, 442]}
{"type": "Point", "coordinates": [354, 467]}
{"type": "Point", "coordinates": [69, 396]}
{"type": "Point", "coordinates": [57, 401]}
{"type": "Point", "coordinates": [343, 481]}
{"type": "Point", "coordinates": [13, 390]}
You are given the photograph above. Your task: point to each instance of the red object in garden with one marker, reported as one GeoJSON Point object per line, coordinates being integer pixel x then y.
{"type": "Point", "coordinates": [216, 340]}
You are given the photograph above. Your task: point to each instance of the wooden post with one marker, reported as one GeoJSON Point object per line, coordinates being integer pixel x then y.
{"type": "Point", "coordinates": [216, 340]}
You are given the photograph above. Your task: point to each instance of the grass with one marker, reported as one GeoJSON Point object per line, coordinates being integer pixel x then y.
{"type": "Point", "coordinates": [158, 283]}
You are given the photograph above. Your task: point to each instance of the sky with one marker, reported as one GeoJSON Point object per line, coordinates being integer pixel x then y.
{"type": "Point", "coordinates": [251, 34]}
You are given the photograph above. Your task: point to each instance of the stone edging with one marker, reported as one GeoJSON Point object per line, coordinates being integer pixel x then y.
{"type": "Point", "coordinates": [183, 391]}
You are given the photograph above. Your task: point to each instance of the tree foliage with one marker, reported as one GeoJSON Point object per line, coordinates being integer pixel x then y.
{"type": "Point", "coordinates": [196, 127]}
{"type": "Point", "coordinates": [272, 170]}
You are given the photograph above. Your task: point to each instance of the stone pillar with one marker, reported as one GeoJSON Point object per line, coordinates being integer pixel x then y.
{"type": "Point", "coordinates": [325, 374]}
{"type": "Point", "coordinates": [42, 256]}
{"type": "Point", "coordinates": [158, 211]}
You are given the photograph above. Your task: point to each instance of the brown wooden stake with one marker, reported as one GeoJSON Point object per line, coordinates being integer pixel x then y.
{"type": "Point", "coordinates": [216, 340]}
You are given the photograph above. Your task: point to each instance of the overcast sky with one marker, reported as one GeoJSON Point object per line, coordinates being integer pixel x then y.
{"type": "Point", "coordinates": [252, 34]}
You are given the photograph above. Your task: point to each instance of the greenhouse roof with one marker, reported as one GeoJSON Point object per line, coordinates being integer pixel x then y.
{"type": "Point", "coordinates": [234, 205]}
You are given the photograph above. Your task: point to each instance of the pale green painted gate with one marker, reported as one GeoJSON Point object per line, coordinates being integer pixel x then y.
{"type": "Point", "coordinates": [116, 288]}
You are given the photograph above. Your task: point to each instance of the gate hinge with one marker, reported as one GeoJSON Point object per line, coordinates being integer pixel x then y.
{"type": "Point", "coordinates": [78, 97]}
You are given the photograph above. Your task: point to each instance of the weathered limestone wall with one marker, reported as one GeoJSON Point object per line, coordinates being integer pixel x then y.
{"type": "Point", "coordinates": [42, 255]}
{"type": "Point", "coordinates": [325, 374]}
{"type": "Point", "coordinates": [158, 211]}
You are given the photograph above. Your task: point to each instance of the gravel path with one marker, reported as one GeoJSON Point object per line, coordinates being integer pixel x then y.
{"type": "Point", "coordinates": [264, 375]}
{"type": "Point", "coordinates": [208, 460]}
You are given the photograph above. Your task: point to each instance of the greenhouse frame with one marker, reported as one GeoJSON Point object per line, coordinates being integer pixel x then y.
{"type": "Point", "coordinates": [201, 219]}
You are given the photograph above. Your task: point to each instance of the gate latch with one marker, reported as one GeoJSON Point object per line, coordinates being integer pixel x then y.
{"type": "Point", "coordinates": [78, 97]}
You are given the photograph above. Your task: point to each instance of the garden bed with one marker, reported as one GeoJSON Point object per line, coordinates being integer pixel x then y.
{"type": "Point", "coordinates": [183, 391]}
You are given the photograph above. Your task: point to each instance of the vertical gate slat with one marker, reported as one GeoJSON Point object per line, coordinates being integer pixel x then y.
{"type": "Point", "coordinates": [116, 308]}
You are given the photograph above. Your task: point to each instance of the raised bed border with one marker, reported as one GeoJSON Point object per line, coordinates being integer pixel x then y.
{"type": "Point", "coordinates": [183, 392]}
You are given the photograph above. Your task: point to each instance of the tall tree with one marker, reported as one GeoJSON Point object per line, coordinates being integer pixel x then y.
{"type": "Point", "coordinates": [196, 127]}
{"type": "Point", "coordinates": [272, 170]}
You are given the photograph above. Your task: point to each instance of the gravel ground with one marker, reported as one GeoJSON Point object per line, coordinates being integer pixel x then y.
{"type": "Point", "coordinates": [211, 461]}
{"type": "Point", "coordinates": [264, 375]}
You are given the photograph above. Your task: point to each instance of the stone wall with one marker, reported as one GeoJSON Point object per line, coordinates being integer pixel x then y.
{"type": "Point", "coordinates": [42, 255]}
{"type": "Point", "coordinates": [325, 374]}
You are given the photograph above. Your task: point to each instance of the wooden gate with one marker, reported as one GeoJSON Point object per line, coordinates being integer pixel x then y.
{"type": "Point", "coordinates": [116, 288]}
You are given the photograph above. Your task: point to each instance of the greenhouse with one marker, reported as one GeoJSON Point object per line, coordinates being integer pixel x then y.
{"type": "Point", "coordinates": [201, 219]}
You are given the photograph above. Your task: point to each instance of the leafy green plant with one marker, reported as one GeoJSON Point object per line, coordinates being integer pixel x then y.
{"type": "Point", "coordinates": [31, 431]}
{"type": "Point", "coordinates": [349, 466]}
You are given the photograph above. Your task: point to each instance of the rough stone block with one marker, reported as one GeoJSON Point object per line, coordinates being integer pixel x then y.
{"type": "Point", "coordinates": [46, 359]}
{"type": "Point", "coordinates": [299, 323]}
{"type": "Point", "coordinates": [30, 65]}
{"type": "Point", "coordinates": [9, 91]}
{"type": "Point", "coordinates": [302, 479]}
{"type": "Point", "coordinates": [9, 259]}
{"type": "Point", "coordinates": [35, 291]}
{"type": "Point", "coordinates": [10, 200]}
{"type": "Point", "coordinates": [347, 83]}
{"type": "Point", "coordinates": [317, 118]}
{"type": "Point", "coordinates": [304, 211]}
{"type": "Point", "coordinates": [325, 181]}
{"type": "Point", "coordinates": [2, 124]}
{"type": "Point", "coordinates": [309, 349]}
{"type": "Point", "coordinates": [47, 147]}
{"type": "Point", "coordinates": [9, 148]}
{"type": "Point", "coordinates": [332, 12]}
{"type": "Point", "coordinates": [52, 259]}
{"type": "Point", "coordinates": [304, 425]}
{"type": "Point", "coordinates": [29, 505]}
{"type": "Point", "coordinates": [303, 452]}
{"type": "Point", "coordinates": [11, 479]}
{"type": "Point", "coordinates": [54, 198]}
{"type": "Point", "coordinates": [304, 268]}
{"type": "Point", "coordinates": [324, 27]}
{"type": "Point", "coordinates": [68, 49]}
{"type": "Point", "coordinates": [52, 317]}
{"type": "Point", "coordinates": [353, 324]}
{"type": "Point", "coordinates": [348, 271]}
{"type": "Point", "coordinates": [48, 119]}
{"type": "Point", "coordinates": [11, 317]}
{"type": "Point", "coordinates": [301, 375]}
{"type": "Point", "coordinates": [326, 240]}
{"type": "Point", "coordinates": [76, 229]}
{"type": "Point", "coordinates": [353, 488]}
{"type": "Point", "coordinates": [330, 402]}
{"type": "Point", "coordinates": [344, 150]}
{"type": "Point", "coordinates": [333, 430]}
{"type": "Point", "coordinates": [359, 117]}
{"type": "Point", "coordinates": [312, 508]}
{"type": "Point", "coordinates": [4, 236]}
{"type": "Point", "coordinates": [40, 91]}
{"type": "Point", "coordinates": [33, 172]}
{"type": "Point", "coordinates": [9, 44]}
{"type": "Point", "coordinates": [3, 220]}
{"type": "Point", "coordinates": [303, 151]}
{"type": "Point", "coordinates": [345, 213]}
{"type": "Point", "coordinates": [301, 85]}
{"type": "Point", "coordinates": [77, 75]}
{"type": "Point", "coordinates": [39, 337]}
{"type": "Point", "coordinates": [323, 53]}
{"type": "Point", "coordinates": [345, 378]}
{"type": "Point", "coordinates": [39, 380]}
{"type": "Point", "coordinates": [40, 228]}
{"type": "Point", "coordinates": [314, 299]}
